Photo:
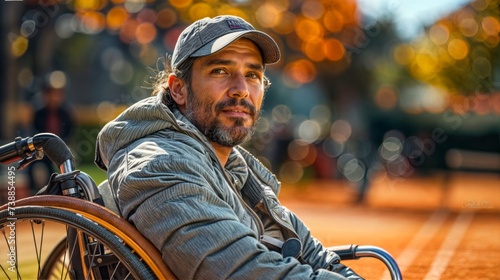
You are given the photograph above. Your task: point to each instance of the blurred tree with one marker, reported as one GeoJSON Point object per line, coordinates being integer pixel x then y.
{"type": "Point", "coordinates": [458, 53]}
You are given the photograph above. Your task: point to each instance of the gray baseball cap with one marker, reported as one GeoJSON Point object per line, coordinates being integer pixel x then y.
{"type": "Point", "coordinates": [210, 35]}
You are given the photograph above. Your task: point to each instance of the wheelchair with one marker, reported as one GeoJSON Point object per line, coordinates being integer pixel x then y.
{"type": "Point", "coordinates": [72, 230]}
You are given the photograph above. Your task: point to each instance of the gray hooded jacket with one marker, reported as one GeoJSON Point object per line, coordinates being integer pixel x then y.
{"type": "Point", "coordinates": [209, 221]}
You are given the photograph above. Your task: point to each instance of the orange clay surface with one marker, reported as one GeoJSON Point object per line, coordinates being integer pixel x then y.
{"type": "Point", "coordinates": [436, 227]}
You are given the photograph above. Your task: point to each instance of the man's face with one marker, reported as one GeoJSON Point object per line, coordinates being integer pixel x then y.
{"type": "Point", "coordinates": [226, 93]}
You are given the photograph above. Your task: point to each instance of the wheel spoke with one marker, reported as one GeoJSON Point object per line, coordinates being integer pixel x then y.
{"type": "Point", "coordinates": [18, 273]}
{"type": "Point", "coordinates": [4, 272]}
{"type": "Point", "coordinates": [71, 255]}
{"type": "Point", "coordinates": [91, 256]}
{"type": "Point", "coordinates": [38, 252]}
{"type": "Point", "coordinates": [66, 250]}
{"type": "Point", "coordinates": [6, 244]}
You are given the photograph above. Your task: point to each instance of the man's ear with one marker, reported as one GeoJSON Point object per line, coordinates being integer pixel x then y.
{"type": "Point", "coordinates": [178, 90]}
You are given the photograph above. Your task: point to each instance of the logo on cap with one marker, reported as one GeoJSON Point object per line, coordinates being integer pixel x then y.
{"type": "Point", "coordinates": [233, 24]}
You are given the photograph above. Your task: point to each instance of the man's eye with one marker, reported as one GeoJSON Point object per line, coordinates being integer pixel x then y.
{"type": "Point", "coordinates": [218, 71]}
{"type": "Point", "coordinates": [253, 76]}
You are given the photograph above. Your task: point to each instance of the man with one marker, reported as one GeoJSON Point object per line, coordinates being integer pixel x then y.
{"type": "Point", "coordinates": [54, 117]}
{"type": "Point", "coordinates": [179, 175]}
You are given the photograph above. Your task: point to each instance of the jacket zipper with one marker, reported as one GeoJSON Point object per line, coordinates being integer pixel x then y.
{"type": "Point", "coordinates": [260, 226]}
{"type": "Point", "coordinates": [291, 231]}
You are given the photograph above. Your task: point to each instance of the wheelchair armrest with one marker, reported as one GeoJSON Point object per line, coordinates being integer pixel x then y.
{"type": "Point", "coordinates": [345, 252]}
{"type": "Point", "coordinates": [352, 252]}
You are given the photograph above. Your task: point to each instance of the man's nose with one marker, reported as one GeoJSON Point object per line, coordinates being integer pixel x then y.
{"type": "Point", "coordinates": [239, 87]}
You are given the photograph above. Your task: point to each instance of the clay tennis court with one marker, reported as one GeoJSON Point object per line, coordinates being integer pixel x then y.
{"type": "Point", "coordinates": [434, 229]}
{"type": "Point", "coordinates": [433, 232]}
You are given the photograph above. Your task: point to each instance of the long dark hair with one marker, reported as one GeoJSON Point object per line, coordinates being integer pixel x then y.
{"type": "Point", "coordinates": [163, 69]}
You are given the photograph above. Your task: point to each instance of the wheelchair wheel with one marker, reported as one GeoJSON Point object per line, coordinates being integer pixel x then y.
{"type": "Point", "coordinates": [57, 262]}
{"type": "Point", "coordinates": [130, 236]}
{"type": "Point", "coordinates": [27, 232]}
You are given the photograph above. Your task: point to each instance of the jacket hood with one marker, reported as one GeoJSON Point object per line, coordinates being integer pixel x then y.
{"type": "Point", "coordinates": [140, 119]}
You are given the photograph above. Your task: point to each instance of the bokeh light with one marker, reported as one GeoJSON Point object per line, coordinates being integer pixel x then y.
{"type": "Point", "coordinates": [201, 10]}
{"type": "Point", "coordinates": [333, 148]}
{"type": "Point", "coordinates": [57, 79]}
{"type": "Point", "coordinates": [145, 33]}
{"type": "Point", "coordinates": [91, 22]}
{"type": "Point", "coordinates": [179, 4]}
{"type": "Point", "coordinates": [469, 27]}
{"type": "Point", "coordinates": [301, 71]}
{"type": "Point", "coordinates": [298, 150]}
{"type": "Point", "coordinates": [403, 54]}
{"type": "Point", "coordinates": [116, 17]}
{"type": "Point", "coordinates": [458, 49]}
{"type": "Point", "coordinates": [341, 131]}
{"type": "Point", "coordinates": [65, 26]}
{"type": "Point", "coordinates": [166, 18]}
{"type": "Point", "coordinates": [391, 148]}
{"type": "Point", "coordinates": [19, 45]}
{"type": "Point", "coordinates": [308, 29]}
{"type": "Point", "coordinates": [425, 65]}
{"type": "Point", "coordinates": [491, 25]}
{"type": "Point", "coordinates": [281, 113]}
{"type": "Point", "coordinates": [315, 49]}
{"type": "Point", "coordinates": [334, 21]}
{"type": "Point", "coordinates": [134, 6]}
{"type": "Point", "coordinates": [439, 34]}
{"type": "Point", "coordinates": [147, 15]}
{"type": "Point", "coordinates": [92, 5]}
{"type": "Point", "coordinates": [481, 67]}
{"type": "Point", "coordinates": [312, 9]}
{"type": "Point", "coordinates": [308, 131]}
{"type": "Point", "coordinates": [128, 30]}
{"type": "Point", "coordinates": [334, 50]}
{"type": "Point", "coordinates": [321, 114]}
{"type": "Point", "coordinates": [399, 167]}
{"type": "Point", "coordinates": [480, 5]}
{"type": "Point", "coordinates": [269, 15]}
{"type": "Point", "coordinates": [386, 98]}
{"type": "Point", "coordinates": [28, 27]}
{"type": "Point", "coordinates": [352, 168]}
{"type": "Point", "coordinates": [286, 23]}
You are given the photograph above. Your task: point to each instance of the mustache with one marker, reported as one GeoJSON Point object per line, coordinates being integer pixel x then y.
{"type": "Point", "coordinates": [236, 102]}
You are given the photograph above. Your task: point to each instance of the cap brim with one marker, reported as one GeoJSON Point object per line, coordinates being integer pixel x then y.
{"type": "Point", "coordinates": [268, 47]}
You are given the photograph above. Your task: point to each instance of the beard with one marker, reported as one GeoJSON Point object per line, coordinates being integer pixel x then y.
{"type": "Point", "coordinates": [207, 121]}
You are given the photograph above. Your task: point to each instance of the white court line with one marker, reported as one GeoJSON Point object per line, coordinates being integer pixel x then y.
{"type": "Point", "coordinates": [418, 242]}
{"type": "Point", "coordinates": [449, 245]}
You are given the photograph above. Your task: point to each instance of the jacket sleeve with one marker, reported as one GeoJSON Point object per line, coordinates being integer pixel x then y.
{"type": "Point", "coordinates": [197, 232]}
{"type": "Point", "coordinates": [315, 254]}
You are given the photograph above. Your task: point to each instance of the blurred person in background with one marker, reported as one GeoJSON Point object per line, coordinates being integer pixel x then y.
{"type": "Point", "coordinates": [52, 117]}
{"type": "Point", "coordinates": [178, 172]}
